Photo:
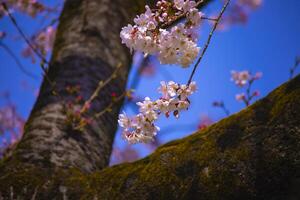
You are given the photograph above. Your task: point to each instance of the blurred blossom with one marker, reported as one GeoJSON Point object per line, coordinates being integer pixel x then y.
{"type": "Point", "coordinates": [30, 7]}
{"type": "Point", "coordinates": [238, 12]}
{"type": "Point", "coordinates": [256, 93]}
{"type": "Point", "coordinates": [12, 123]}
{"type": "Point", "coordinates": [147, 67]}
{"type": "Point", "coordinates": [148, 70]}
{"type": "Point", "coordinates": [2, 34]}
{"type": "Point", "coordinates": [240, 78]}
{"type": "Point", "coordinates": [29, 53]}
{"type": "Point", "coordinates": [10, 120]}
{"type": "Point", "coordinates": [240, 97]}
{"type": "Point", "coordinates": [204, 122]}
{"type": "Point", "coordinates": [244, 77]}
{"type": "Point", "coordinates": [252, 4]}
{"type": "Point", "coordinates": [127, 154]}
{"type": "Point", "coordinates": [42, 42]}
{"type": "Point", "coordinates": [258, 75]}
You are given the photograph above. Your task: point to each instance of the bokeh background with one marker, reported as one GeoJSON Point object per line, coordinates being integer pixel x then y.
{"type": "Point", "coordinates": [263, 37]}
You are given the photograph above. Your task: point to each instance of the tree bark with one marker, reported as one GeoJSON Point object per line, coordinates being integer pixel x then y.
{"type": "Point", "coordinates": [87, 49]}
{"type": "Point", "coordinates": [254, 154]}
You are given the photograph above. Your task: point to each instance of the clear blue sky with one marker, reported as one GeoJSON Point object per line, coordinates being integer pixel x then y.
{"type": "Point", "coordinates": [269, 43]}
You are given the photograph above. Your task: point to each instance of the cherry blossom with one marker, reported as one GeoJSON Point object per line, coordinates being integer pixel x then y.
{"type": "Point", "coordinates": [239, 12]}
{"type": "Point", "coordinates": [43, 42]}
{"type": "Point", "coordinates": [141, 128]}
{"type": "Point", "coordinates": [175, 46]}
{"type": "Point", "coordinates": [240, 78]}
{"type": "Point", "coordinates": [243, 79]}
{"type": "Point", "coordinates": [30, 7]}
{"type": "Point", "coordinates": [240, 97]}
{"type": "Point", "coordinates": [10, 123]}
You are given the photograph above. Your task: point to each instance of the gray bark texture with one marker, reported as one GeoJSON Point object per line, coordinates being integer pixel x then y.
{"type": "Point", "coordinates": [87, 49]}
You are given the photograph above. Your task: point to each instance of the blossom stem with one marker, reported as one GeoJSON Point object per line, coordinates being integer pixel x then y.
{"type": "Point", "coordinates": [293, 69]}
{"type": "Point", "coordinates": [249, 96]}
{"type": "Point", "coordinates": [208, 41]}
{"type": "Point", "coordinates": [109, 107]}
{"type": "Point", "coordinates": [226, 111]}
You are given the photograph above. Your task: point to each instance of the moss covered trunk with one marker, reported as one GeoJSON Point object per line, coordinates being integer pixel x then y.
{"type": "Point", "coordinates": [254, 154]}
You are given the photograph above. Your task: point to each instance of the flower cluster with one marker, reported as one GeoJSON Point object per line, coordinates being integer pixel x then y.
{"type": "Point", "coordinates": [243, 78]}
{"type": "Point", "coordinates": [239, 12]}
{"type": "Point", "coordinates": [141, 127]}
{"type": "Point", "coordinates": [174, 46]}
{"type": "Point", "coordinates": [11, 122]}
{"type": "Point", "coordinates": [42, 42]}
{"type": "Point", "coordinates": [30, 7]}
{"type": "Point", "coordinates": [250, 3]}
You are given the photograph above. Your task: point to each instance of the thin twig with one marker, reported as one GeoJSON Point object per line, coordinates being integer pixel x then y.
{"type": "Point", "coordinates": [248, 93]}
{"type": "Point", "coordinates": [13, 20]}
{"type": "Point", "coordinates": [101, 85]}
{"type": "Point", "coordinates": [44, 61]}
{"type": "Point", "coordinates": [18, 62]}
{"type": "Point", "coordinates": [208, 41]}
{"type": "Point", "coordinates": [109, 107]}
{"type": "Point", "coordinates": [293, 69]}
{"type": "Point", "coordinates": [221, 104]}
{"type": "Point", "coordinates": [226, 111]}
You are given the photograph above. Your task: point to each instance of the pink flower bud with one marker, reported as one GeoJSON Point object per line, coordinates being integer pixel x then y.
{"type": "Point", "coordinates": [258, 75]}
{"type": "Point", "coordinates": [240, 97]}
{"type": "Point", "coordinates": [256, 93]}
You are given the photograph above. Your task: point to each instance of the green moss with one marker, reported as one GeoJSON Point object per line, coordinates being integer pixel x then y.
{"type": "Point", "coordinates": [244, 156]}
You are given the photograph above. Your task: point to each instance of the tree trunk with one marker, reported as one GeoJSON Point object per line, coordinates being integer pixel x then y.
{"type": "Point", "coordinates": [87, 49]}
{"type": "Point", "coordinates": [254, 154]}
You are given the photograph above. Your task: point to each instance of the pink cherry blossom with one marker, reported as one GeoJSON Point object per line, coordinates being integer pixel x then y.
{"type": "Point", "coordinates": [175, 46]}
{"type": "Point", "coordinates": [141, 127]}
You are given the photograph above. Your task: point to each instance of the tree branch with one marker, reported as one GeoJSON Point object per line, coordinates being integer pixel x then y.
{"type": "Point", "coordinates": [13, 20]}
{"type": "Point", "coordinates": [253, 154]}
{"type": "Point", "coordinates": [208, 41]}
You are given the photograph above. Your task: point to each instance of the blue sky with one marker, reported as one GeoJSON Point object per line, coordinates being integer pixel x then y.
{"type": "Point", "coordinates": [269, 43]}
